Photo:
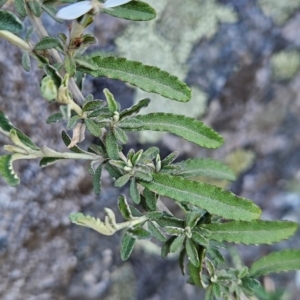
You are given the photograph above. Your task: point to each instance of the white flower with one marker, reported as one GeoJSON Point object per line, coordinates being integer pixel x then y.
{"type": "Point", "coordinates": [78, 9]}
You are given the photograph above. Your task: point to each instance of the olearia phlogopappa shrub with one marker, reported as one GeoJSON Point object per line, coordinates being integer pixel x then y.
{"type": "Point", "coordinates": [212, 215]}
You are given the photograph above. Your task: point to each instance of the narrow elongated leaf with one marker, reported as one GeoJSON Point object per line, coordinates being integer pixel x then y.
{"type": "Point", "coordinates": [97, 180]}
{"type": "Point", "coordinates": [81, 61]}
{"type": "Point", "coordinates": [111, 102]}
{"type": "Point", "coordinates": [70, 65]}
{"type": "Point", "coordinates": [7, 171]}
{"type": "Point", "coordinates": [135, 108]}
{"type": "Point", "coordinates": [47, 161]}
{"type": "Point", "coordinates": [165, 249]}
{"type": "Point", "coordinates": [10, 22]}
{"type": "Point", "coordinates": [35, 7]}
{"type": "Point", "coordinates": [134, 11]}
{"type": "Point", "coordinates": [93, 127]}
{"type": "Point", "coordinates": [127, 246]}
{"type": "Point", "coordinates": [204, 167]}
{"type": "Point", "coordinates": [213, 199]}
{"type": "Point", "coordinates": [26, 61]}
{"type": "Point", "coordinates": [139, 233]}
{"type": "Point", "coordinates": [6, 126]}
{"type": "Point", "coordinates": [195, 273]}
{"type": "Point", "coordinates": [124, 208]}
{"type": "Point", "coordinates": [147, 78]}
{"type": "Point", "coordinates": [20, 7]}
{"type": "Point", "coordinates": [112, 146]}
{"type": "Point", "coordinates": [192, 252]}
{"type": "Point", "coordinates": [150, 198]}
{"type": "Point", "coordinates": [56, 117]}
{"type": "Point", "coordinates": [52, 72]}
{"type": "Point", "coordinates": [254, 232]}
{"type": "Point", "coordinates": [188, 128]}
{"type": "Point", "coordinates": [120, 135]}
{"type": "Point", "coordinates": [47, 42]}
{"type": "Point", "coordinates": [156, 232]}
{"type": "Point", "coordinates": [134, 192]}
{"type": "Point", "coordinates": [170, 158]}
{"type": "Point", "coordinates": [177, 243]}
{"type": "Point", "coordinates": [285, 260]}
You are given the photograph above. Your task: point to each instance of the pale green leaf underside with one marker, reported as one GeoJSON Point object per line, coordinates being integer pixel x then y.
{"type": "Point", "coordinates": [7, 171]}
{"type": "Point", "coordinates": [6, 127]}
{"type": "Point", "coordinates": [254, 232]}
{"type": "Point", "coordinates": [188, 128]}
{"type": "Point", "coordinates": [134, 11]}
{"type": "Point", "coordinates": [148, 78]}
{"type": "Point", "coordinates": [205, 167]}
{"type": "Point", "coordinates": [47, 161]}
{"type": "Point", "coordinates": [286, 260]}
{"type": "Point", "coordinates": [211, 198]}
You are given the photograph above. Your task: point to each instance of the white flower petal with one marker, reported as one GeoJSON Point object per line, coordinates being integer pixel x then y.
{"type": "Point", "coordinates": [114, 3]}
{"type": "Point", "coordinates": [75, 10]}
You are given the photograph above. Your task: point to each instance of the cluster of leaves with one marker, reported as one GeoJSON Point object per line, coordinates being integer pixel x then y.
{"type": "Point", "coordinates": [212, 216]}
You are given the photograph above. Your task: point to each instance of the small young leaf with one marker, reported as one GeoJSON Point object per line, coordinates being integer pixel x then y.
{"type": "Point", "coordinates": [192, 252]}
{"type": "Point", "coordinates": [139, 233]}
{"type": "Point", "coordinates": [56, 117]}
{"type": "Point", "coordinates": [134, 11]}
{"type": "Point", "coordinates": [134, 192]}
{"type": "Point", "coordinates": [188, 128]}
{"type": "Point", "coordinates": [112, 147]}
{"type": "Point", "coordinates": [26, 61]}
{"type": "Point", "coordinates": [20, 7]}
{"type": "Point", "coordinates": [93, 127]}
{"type": "Point", "coordinates": [46, 43]}
{"type": "Point", "coordinates": [97, 180]}
{"type": "Point", "coordinates": [147, 177]}
{"type": "Point", "coordinates": [177, 243]}
{"type": "Point", "coordinates": [147, 78]}
{"type": "Point", "coordinates": [111, 102]}
{"type": "Point", "coordinates": [254, 232]}
{"type": "Point", "coordinates": [135, 212]}
{"type": "Point", "coordinates": [165, 249]}
{"type": "Point", "coordinates": [124, 208]}
{"type": "Point", "coordinates": [7, 171]}
{"type": "Point", "coordinates": [70, 65]}
{"type": "Point", "coordinates": [204, 167]}
{"type": "Point", "coordinates": [127, 246]}
{"type": "Point", "coordinates": [149, 154]}
{"type": "Point", "coordinates": [48, 161]}
{"type": "Point", "coordinates": [285, 260]}
{"type": "Point", "coordinates": [135, 108]}
{"type": "Point", "coordinates": [10, 22]}
{"type": "Point", "coordinates": [52, 72]}
{"type": "Point", "coordinates": [169, 159]}
{"type": "Point", "coordinates": [67, 140]}
{"type": "Point", "coordinates": [135, 158]}
{"type": "Point", "coordinates": [192, 217]}
{"type": "Point", "coordinates": [120, 135]}
{"type": "Point", "coordinates": [150, 199]}
{"type": "Point", "coordinates": [122, 180]}
{"type": "Point", "coordinates": [35, 7]}
{"type": "Point", "coordinates": [203, 195]}
{"type": "Point", "coordinates": [156, 232]}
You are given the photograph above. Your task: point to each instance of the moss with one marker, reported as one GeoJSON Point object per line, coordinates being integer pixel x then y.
{"type": "Point", "coordinates": [167, 42]}
{"type": "Point", "coordinates": [279, 11]}
{"type": "Point", "coordinates": [285, 64]}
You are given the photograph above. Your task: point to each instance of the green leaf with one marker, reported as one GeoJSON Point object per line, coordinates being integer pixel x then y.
{"type": "Point", "coordinates": [165, 249]}
{"type": "Point", "coordinates": [203, 195]}
{"type": "Point", "coordinates": [127, 246]}
{"type": "Point", "coordinates": [195, 273]}
{"type": "Point", "coordinates": [285, 260]}
{"type": "Point", "coordinates": [7, 171]}
{"type": "Point", "coordinates": [150, 198]}
{"type": "Point", "coordinates": [56, 117]}
{"type": "Point", "coordinates": [149, 154]}
{"type": "Point", "coordinates": [143, 176]}
{"type": "Point", "coordinates": [47, 161]}
{"type": "Point", "coordinates": [188, 128]}
{"type": "Point", "coordinates": [181, 261]}
{"type": "Point", "coordinates": [10, 22]}
{"type": "Point", "coordinates": [169, 159]}
{"type": "Point", "coordinates": [70, 65]}
{"type": "Point", "coordinates": [177, 243]}
{"type": "Point", "coordinates": [73, 121]}
{"type": "Point", "coordinates": [112, 147]}
{"type": "Point", "coordinates": [135, 108]}
{"type": "Point", "coordinates": [111, 102]}
{"type": "Point", "coordinates": [52, 72]}
{"type": "Point", "coordinates": [124, 208]}
{"type": "Point", "coordinates": [121, 181]}
{"type": "Point", "coordinates": [134, 11]}
{"type": "Point", "coordinates": [168, 220]}
{"type": "Point", "coordinates": [51, 11]}
{"type": "Point", "coordinates": [200, 239]}
{"type": "Point", "coordinates": [156, 232]}
{"type": "Point", "coordinates": [216, 287]}
{"type": "Point", "coordinates": [97, 180]}
{"type": "Point", "coordinates": [254, 232]}
{"type": "Point", "coordinates": [92, 105]}
{"type": "Point", "coordinates": [46, 43]}
{"type": "Point", "coordinates": [6, 127]}
{"type": "Point", "coordinates": [26, 61]}
{"type": "Point", "coordinates": [93, 127]}
{"type": "Point", "coordinates": [139, 233]}
{"type": "Point", "coordinates": [83, 62]}
{"type": "Point", "coordinates": [35, 7]}
{"type": "Point", "coordinates": [192, 252]}
{"type": "Point", "coordinates": [20, 7]}
{"type": "Point", "coordinates": [67, 140]}
{"type": "Point", "coordinates": [209, 295]}
{"type": "Point", "coordinates": [204, 167]}
{"type": "Point", "coordinates": [192, 217]}
{"type": "Point", "coordinates": [134, 192]}
{"type": "Point", "coordinates": [130, 124]}
{"type": "Point", "coordinates": [120, 135]}
{"type": "Point", "coordinates": [147, 78]}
